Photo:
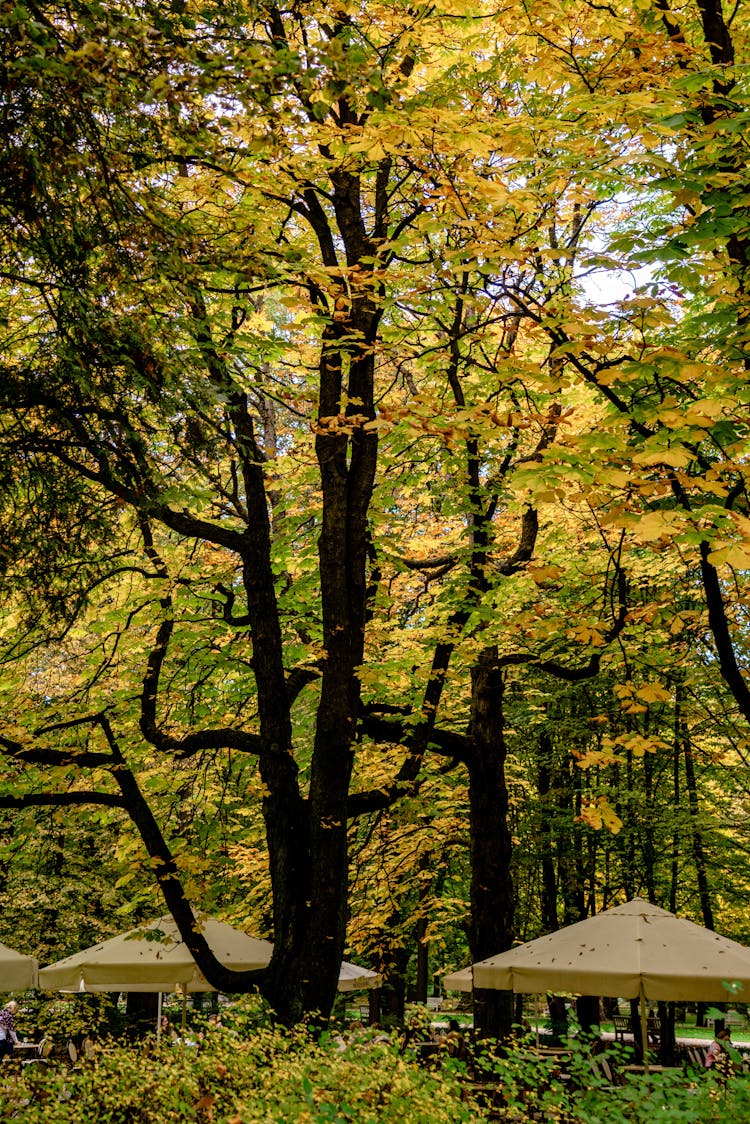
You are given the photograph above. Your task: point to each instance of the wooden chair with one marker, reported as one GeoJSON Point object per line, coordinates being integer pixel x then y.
{"type": "Point", "coordinates": [41, 1054]}
{"type": "Point", "coordinates": [603, 1071]}
{"type": "Point", "coordinates": [622, 1027]}
{"type": "Point", "coordinates": [73, 1055]}
{"type": "Point", "coordinates": [696, 1057]}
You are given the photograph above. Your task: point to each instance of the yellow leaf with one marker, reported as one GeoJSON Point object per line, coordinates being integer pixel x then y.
{"type": "Point", "coordinates": [590, 816]}
{"type": "Point", "coordinates": [736, 555]}
{"type": "Point", "coordinates": [610, 818]}
{"type": "Point", "coordinates": [601, 814]}
{"type": "Point", "coordinates": [541, 574]}
{"type": "Point", "coordinates": [655, 525]}
{"type": "Point", "coordinates": [594, 757]}
{"type": "Point", "coordinates": [639, 744]}
{"type": "Point", "coordinates": [587, 634]}
{"type": "Point", "coordinates": [653, 692]}
{"type": "Point", "coordinates": [675, 458]}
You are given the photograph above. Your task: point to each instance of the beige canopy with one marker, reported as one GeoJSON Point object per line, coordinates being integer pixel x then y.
{"type": "Point", "coordinates": [354, 978]}
{"type": "Point", "coordinates": [17, 972]}
{"type": "Point", "coordinates": [135, 961]}
{"type": "Point", "coordinates": [631, 951]}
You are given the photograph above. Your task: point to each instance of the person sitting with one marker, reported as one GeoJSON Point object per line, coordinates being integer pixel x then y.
{"type": "Point", "coordinates": [414, 1031]}
{"type": "Point", "coordinates": [8, 1036]}
{"type": "Point", "coordinates": [455, 1041]}
{"type": "Point", "coordinates": [167, 1031]}
{"type": "Point", "coordinates": [213, 1025]}
{"type": "Point", "coordinates": [716, 1055]}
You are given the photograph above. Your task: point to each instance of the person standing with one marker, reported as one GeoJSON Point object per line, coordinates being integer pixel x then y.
{"type": "Point", "coordinates": [8, 1036]}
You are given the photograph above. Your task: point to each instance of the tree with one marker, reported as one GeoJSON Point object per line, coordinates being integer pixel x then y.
{"type": "Point", "coordinates": [141, 382]}
{"type": "Point", "coordinates": [303, 404]}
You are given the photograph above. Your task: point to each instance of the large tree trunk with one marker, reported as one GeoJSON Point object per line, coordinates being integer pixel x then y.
{"type": "Point", "coordinates": [312, 849]}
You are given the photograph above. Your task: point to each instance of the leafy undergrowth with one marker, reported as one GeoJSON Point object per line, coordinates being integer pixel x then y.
{"type": "Point", "coordinates": [540, 1089]}
{"type": "Point", "coordinates": [270, 1077]}
{"type": "Point", "coordinates": [266, 1078]}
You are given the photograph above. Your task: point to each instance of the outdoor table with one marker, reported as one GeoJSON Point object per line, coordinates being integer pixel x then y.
{"type": "Point", "coordinates": [641, 1069]}
{"type": "Point", "coordinates": [561, 1055]}
{"type": "Point", "coordinates": [427, 1049]}
{"type": "Point", "coordinates": [489, 1094]}
{"type": "Point", "coordinates": [23, 1051]}
{"type": "Point", "coordinates": [558, 1053]}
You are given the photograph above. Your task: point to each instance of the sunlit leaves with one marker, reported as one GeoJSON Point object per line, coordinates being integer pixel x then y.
{"type": "Point", "coordinates": [179, 184]}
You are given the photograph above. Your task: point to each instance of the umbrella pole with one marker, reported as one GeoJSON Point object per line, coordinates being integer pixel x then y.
{"type": "Point", "coordinates": [184, 1009]}
{"type": "Point", "coordinates": [644, 1028]}
{"type": "Point", "coordinates": [158, 1018]}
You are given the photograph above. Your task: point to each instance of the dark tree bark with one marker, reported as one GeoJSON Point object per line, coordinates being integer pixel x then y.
{"type": "Point", "coordinates": [141, 1010]}
{"type": "Point", "coordinates": [420, 932]}
{"type": "Point", "coordinates": [647, 846]}
{"type": "Point", "coordinates": [569, 859]}
{"type": "Point", "coordinates": [423, 963]}
{"type": "Point", "coordinates": [491, 845]}
{"type": "Point", "coordinates": [676, 754]}
{"type": "Point", "coordinates": [699, 857]}
{"type": "Point", "coordinates": [635, 1022]}
{"type": "Point", "coordinates": [588, 1012]}
{"type": "Point", "coordinates": [546, 812]}
{"type": "Point", "coordinates": [667, 1043]}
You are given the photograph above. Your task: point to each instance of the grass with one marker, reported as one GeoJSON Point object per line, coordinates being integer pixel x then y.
{"type": "Point", "coordinates": [738, 1023]}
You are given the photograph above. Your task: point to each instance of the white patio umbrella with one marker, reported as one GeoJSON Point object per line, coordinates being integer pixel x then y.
{"type": "Point", "coordinates": [17, 972]}
{"type": "Point", "coordinates": [634, 951]}
{"type": "Point", "coordinates": [154, 957]}
{"type": "Point", "coordinates": [354, 978]}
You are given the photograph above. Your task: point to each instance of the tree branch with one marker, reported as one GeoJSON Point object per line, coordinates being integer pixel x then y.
{"type": "Point", "coordinates": [168, 877]}
{"type": "Point", "coordinates": [62, 800]}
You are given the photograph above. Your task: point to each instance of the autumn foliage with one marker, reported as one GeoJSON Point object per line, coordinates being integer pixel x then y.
{"type": "Point", "coordinates": [375, 528]}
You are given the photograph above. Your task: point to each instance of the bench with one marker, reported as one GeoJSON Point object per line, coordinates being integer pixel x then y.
{"type": "Point", "coordinates": [624, 1026]}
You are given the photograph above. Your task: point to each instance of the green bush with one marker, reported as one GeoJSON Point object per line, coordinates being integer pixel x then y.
{"type": "Point", "coordinates": [266, 1078]}
{"type": "Point", "coordinates": [541, 1089]}
{"type": "Point", "coordinates": [259, 1075]}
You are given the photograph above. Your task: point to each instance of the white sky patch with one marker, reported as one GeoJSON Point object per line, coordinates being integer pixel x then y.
{"type": "Point", "coordinates": [606, 286]}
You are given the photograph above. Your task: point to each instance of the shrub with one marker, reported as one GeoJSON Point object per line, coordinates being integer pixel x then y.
{"type": "Point", "coordinates": [266, 1078]}
{"type": "Point", "coordinates": [260, 1075]}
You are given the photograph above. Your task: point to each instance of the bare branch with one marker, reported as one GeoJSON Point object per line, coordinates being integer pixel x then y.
{"type": "Point", "coordinates": [62, 800]}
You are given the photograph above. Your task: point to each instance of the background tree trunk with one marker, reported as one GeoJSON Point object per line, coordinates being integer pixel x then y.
{"type": "Point", "coordinates": [491, 845]}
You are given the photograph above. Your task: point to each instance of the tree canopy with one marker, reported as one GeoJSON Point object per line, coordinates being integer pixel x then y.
{"type": "Point", "coordinates": [373, 426]}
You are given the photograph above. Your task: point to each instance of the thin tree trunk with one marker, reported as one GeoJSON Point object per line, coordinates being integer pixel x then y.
{"type": "Point", "coordinates": [674, 866]}
{"type": "Point", "coordinates": [546, 804]}
{"type": "Point", "coordinates": [423, 961]}
{"type": "Point", "coordinates": [648, 833]}
{"type": "Point", "coordinates": [491, 845]}
{"type": "Point", "coordinates": [699, 857]}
